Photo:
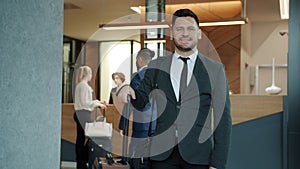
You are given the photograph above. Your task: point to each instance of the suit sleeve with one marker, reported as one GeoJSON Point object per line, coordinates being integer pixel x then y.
{"type": "Point", "coordinates": [143, 91]}
{"type": "Point", "coordinates": [222, 121]}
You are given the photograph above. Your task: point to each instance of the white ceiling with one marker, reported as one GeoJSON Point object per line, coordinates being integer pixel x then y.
{"type": "Point", "coordinates": [82, 22]}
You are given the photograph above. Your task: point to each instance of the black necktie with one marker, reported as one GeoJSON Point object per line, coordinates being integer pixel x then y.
{"type": "Point", "coordinates": [184, 74]}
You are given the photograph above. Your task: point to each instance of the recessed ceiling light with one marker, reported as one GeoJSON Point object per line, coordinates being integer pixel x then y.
{"type": "Point", "coordinates": [284, 9]}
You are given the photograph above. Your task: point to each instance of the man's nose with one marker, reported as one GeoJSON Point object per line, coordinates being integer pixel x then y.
{"type": "Point", "coordinates": [185, 32]}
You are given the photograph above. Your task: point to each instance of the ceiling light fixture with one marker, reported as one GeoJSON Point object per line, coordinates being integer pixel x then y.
{"type": "Point", "coordinates": [224, 22]}
{"type": "Point", "coordinates": [130, 26]}
{"type": "Point", "coordinates": [155, 25]}
{"type": "Point", "coordinates": [155, 41]}
{"type": "Point", "coordinates": [136, 9]}
{"type": "Point", "coordinates": [284, 9]}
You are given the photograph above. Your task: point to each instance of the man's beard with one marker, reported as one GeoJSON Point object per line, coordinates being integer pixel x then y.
{"type": "Point", "coordinates": [184, 49]}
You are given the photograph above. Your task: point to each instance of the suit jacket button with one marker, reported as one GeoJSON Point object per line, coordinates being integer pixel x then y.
{"type": "Point", "coordinates": [178, 106]}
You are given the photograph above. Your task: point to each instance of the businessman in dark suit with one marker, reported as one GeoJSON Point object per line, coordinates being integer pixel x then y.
{"type": "Point", "coordinates": [193, 107]}
{"type": "Point", "coordinates": [141, 126]}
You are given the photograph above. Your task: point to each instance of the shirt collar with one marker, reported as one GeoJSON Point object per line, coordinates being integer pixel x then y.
{"type": "Point", "coordinates": [142, 68]}
{"type": "Point", "coordinates": [192, 56]}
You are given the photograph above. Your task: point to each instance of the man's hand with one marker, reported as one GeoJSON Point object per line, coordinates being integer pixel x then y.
{"type": "Point", "coordinates": [132, 93]}
{"type": "Point", "coordinates": [212, 167]}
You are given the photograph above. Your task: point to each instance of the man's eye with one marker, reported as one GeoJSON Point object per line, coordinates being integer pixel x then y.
{"type": "Point", "coordinates": [191, 28]}
{"type": "Point", "coordinates": [179, 29]}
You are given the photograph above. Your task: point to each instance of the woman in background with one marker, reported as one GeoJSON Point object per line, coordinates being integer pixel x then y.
{"type": "Point", "coordinates": [83, 104]}
{"type": "Point", "coordinates": [118, 95]}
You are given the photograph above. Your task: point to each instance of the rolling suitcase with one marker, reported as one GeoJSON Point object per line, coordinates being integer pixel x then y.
{"type": "Point", "coordinates": [100, 156]}
{"type": "Point", "coordinates": [99, 147]}
{"type": "Point", "coordinates": [100, 163]}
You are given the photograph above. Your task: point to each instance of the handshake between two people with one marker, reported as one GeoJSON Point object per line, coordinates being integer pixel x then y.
{"type": "Point", "coordinates": [102, 104]}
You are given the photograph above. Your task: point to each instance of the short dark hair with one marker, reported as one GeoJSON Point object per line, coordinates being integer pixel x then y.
{"type": "Point", "coordinates": [184, 13]}
{"type": "Point", "coordinates": [146, 54]}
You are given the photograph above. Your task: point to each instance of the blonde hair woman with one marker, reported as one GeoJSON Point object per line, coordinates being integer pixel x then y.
{"type": "Point", "coordinates": [83, 104]}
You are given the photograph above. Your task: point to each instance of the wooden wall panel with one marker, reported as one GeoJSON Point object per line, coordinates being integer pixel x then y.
{"type": "Point", "coordinates": [210, 11]}
{"type": "Point", "coordinates": [91, 60]}
{"type": "Point", "coordinates": [68, 128]}
{"type": "Point", "coordinates": [223, 34]}
{"type": "Point", "coordinates": [227, 42]}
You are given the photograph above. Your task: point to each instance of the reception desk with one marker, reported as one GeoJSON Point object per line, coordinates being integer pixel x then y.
{"type": "Point", "coordinates": [243, 108]}
{"type": "Point", "coordinates": [250, 107]}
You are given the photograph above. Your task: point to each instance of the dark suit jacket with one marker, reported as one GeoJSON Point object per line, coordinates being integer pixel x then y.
{"type": "Point", "coordinates": [141, 119]}
{"type": "Point", "coordinates": [201, 119]}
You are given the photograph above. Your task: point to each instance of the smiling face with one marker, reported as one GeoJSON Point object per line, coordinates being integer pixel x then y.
{"type": "Point", "coordinates": [186, 34]}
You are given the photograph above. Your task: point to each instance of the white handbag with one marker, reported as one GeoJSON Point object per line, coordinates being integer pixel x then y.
{"type": "Point", "coordinates": [98, 129]}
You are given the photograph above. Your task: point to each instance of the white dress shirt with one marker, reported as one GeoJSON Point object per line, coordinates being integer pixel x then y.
{"type": "Point", "coordinates": [176, 68]}
{"type": "Point", "coordinates": [84, 97]}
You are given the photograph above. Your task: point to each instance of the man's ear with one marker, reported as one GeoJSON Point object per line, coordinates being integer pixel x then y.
{"type": "Point", "coordinates": [199, 34]}
{"type": "Point", "coordinates": [171, 34]}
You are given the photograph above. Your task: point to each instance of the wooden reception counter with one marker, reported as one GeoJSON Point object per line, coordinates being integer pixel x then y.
{"type": "Point", "coordinates": [243, 108]}
{"type": "Point", "coordinates": [249, 107]}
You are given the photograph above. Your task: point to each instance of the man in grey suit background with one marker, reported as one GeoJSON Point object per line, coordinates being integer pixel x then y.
{"type": "Point", "coordinates": [193, 124]}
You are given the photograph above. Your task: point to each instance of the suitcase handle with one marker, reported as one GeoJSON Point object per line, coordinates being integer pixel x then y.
{"type": "Point", "coordinates": [102, 116]}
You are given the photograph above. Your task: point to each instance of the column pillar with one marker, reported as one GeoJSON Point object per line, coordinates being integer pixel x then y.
{"type": "Point", "coordinates": [293, 98]}
{"type": "Point", "coordinates": [31, 49]}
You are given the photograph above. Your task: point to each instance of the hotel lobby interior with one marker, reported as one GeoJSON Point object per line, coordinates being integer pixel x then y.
{"type": "Point", "coordinates": [256, 41]}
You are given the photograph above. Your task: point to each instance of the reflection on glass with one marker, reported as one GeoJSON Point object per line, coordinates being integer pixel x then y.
{"type": "Point", "coordinates": [155, 33]}
{"type": "Point", "coordinates": [157, 46]}
{"type": "Point", "coordinates": [155, 12]}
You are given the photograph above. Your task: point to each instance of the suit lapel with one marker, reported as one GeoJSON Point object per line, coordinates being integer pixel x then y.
{"type": "Point", "coordinates": [166, 68]}
{"type": "Point", "coordinates": [201, 76]}
{"type": "Point", "coordinates": [199, 82]}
